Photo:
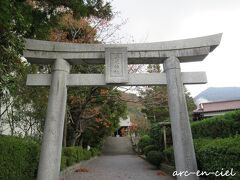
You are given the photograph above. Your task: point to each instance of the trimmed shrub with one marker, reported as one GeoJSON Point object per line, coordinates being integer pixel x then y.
{"type": "Point", "coordinates": [145, 141]}
{"type": "Point", "coordinates": [156, 134]}
{"type": "Point", "coordinates": [87, 154]}
{"type": "Point", "coordinates": [155, 157]}
{"type": "Point", "coordinates": [169, 154]}
{"type": "Point", "coordinates": [95, 152]}
{"type": "Point", "coordinates": [18, 158]}
{"type": "Point", "coordinates": [63, 162]}
{"type": "Point", "coordinates": [149, 148]}
{"type": "Point", "coordinates": [219, 154]}
{"type": "Point", "coordinates": [219, 126]}
{"type": "Point", "coordinates": [73, 155]}
{"type": "Point", "coordinates": [215, 155]}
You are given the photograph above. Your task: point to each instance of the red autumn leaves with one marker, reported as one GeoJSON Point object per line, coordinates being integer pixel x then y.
{"type": "Point", "coordinates": [102, 123]}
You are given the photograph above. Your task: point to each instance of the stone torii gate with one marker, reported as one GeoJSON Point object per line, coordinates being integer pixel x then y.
{"type": "Point", "coordinates": [116, 59]}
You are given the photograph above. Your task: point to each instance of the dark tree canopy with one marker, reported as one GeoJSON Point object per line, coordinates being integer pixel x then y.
{"type": "Point", "coordinates": [91, 110]}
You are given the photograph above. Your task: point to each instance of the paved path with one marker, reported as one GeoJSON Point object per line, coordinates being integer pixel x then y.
{"type": "Point", "coordinates": [118, 162]}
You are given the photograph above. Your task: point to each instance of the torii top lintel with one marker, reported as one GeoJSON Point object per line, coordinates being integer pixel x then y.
{"type": "Point", "coordinates": [186, 50]}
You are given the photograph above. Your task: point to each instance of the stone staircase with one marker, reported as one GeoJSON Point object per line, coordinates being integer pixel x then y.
{"type": "Point", "coordinates": [117, 146]}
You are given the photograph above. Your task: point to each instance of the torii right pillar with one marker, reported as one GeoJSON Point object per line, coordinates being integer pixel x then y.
{"type": "Point", "coordinates": [184, 154]}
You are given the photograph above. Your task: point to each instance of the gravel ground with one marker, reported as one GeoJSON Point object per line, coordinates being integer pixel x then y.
{"type": "Point", "coordinates": [118, 162]}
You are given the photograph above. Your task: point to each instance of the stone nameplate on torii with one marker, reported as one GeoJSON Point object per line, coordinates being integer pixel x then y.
{"type": "Point", "coordinates": [116, 65]}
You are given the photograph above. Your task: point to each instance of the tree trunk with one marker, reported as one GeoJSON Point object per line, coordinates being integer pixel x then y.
{"type": "Point", "coordinates": [65, 132]}
{"type": "Point", "coordinates": [74, 139]}
{"type": "Point", "coordinates": [81, 141]}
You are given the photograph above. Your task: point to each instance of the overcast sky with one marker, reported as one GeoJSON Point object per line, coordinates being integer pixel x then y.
{"type": "Point", "coordinates": [164, 20]}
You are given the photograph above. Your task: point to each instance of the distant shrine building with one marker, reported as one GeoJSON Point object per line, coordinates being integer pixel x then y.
{"type": "Point", "coordinates": [124, 125]}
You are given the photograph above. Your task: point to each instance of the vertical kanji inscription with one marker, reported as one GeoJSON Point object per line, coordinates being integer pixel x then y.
{"type": "Point", "coordinates": [116, 65]}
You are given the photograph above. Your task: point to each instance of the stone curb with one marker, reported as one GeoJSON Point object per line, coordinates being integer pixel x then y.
{"type": "Point", "coordinates": [70, 169]}
{"type": "Point", "coordinates": [164, 167]}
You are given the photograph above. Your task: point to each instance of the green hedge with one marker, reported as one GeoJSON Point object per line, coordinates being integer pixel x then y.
{"type": "Point", "coordinates": [149, 148]}
{"type": "Point", "coordinates": [155, 157]}
{"type": "Point", "coordinates": [95, 152]}
{"type": "Point", "coordinates": [73, 155]}
{"type": "Point", "coordinates": [219, 126]}
{"type": "Point", "coordinates": [169, 154]}
{"type": "Point", "coordinates": [18, 158]}
{"type": "Point", "coordinates": [145, 141]}
{"type": "Point", "coordinates": [215, 154]}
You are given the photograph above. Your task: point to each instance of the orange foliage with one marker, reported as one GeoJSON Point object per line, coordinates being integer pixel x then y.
{"type": "Point", "coordinates": [104, 91]}
{"type": "Point", "coordinates": [133, 127]}
{"type": "Point", "coordinates": [82, 170]}
{"type": "Point", "coordinates": [73, 30]}
{"type": "Point", "coordinates": [74, 100]}
{"type": "Point", "coordinates": [103, 123]}
{"type": "Point", "coordinates": [161, 173]}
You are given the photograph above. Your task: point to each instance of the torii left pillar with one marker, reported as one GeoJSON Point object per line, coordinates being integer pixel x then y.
{"type": "Point", "coordinates": [50, 157]}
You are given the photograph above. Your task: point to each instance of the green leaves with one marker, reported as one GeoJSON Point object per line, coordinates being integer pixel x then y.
{"type": "Point", "coordinates": [145, 141]}
{"type": "Point", "coordinates": [23, 105]}
{"type": "Point", "coordinates": [5, 17]}
{"type": "Point", "coordinates": [218, 154]}
{"type": "Point", "coordinates": [215, 155]}
{"type": "Point", "coordinates": [155, 100]}
{"type": "Point", "coordinates": [18, 158]}
{"type": "Point", "coordinates": [221, 126]}
{"type": "Point", "coordinates": [155, 157]}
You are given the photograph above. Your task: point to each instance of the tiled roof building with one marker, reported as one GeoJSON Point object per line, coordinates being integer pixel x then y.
{"type": "Point", "coordinates": [210, 109]}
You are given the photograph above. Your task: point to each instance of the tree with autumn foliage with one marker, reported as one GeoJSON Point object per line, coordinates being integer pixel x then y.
{"type": "Point", "coordinates": [86, 103]}
{"type": "Point", "coordinates": [66, 21]}
{"type": "Point", "coordinates": [107, 120]}
{"type": "Point", "coordinates": [87, 106]}
{"type": "Point", "coordinates": [155, 102]}
{"type": "Point", "coordinates": [155, 99]}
